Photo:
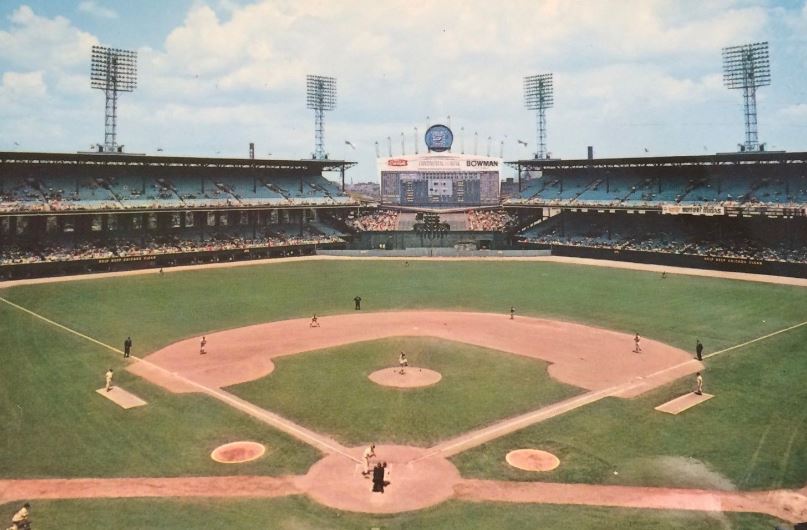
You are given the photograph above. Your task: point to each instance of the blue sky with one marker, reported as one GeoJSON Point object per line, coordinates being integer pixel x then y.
{"type": "Point", "coordinates": [632, 77]}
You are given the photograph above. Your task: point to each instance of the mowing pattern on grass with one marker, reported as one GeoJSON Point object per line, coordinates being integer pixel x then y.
{"type": "Point", "coordinates": [353, 409]}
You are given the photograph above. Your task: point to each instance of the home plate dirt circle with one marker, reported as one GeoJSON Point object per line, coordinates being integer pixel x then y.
{"type": "Point", "coordinates": [412, 377]}
{"type": "Point", "coordinates": [237, 452]}
{"type": "Point", "coordinates": [417, 479]}
{"type": "Point", "coordinates": [532, 460]}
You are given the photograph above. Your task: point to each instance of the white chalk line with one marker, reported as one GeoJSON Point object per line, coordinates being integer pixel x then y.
{"type": "Point", "coordinates": [267, 417]}
{"type": "Point", "coordinates": [755, 340]}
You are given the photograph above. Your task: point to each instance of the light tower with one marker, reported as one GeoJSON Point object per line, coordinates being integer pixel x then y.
{"type": "Point", "coordinates": [539, 96]}
{"type": "Point", "coordinates": [112, 71]}
{"type": "Point", "coordinates": [320, 96]}
{"type": "Point", "coordinates": [748, 67]}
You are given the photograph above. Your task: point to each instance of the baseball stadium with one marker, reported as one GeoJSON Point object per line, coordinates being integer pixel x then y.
{"type": "Point", "coordinates": [243, 343]}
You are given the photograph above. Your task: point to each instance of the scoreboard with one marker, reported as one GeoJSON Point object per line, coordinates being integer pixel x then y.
{"type": "Point", "coordinates": [440, 179]}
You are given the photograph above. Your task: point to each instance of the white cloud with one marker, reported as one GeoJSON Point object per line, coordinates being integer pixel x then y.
{"type": "Point", "coordinates": [231, 73]}
{"type": "Point", "coordinates": [794, 112]}
{"type": "Point", "coordinates": [95, 9]}
{"type": "Point", "coordinates": [23, 85]}
{"type": "Point", "coordinates": [40, 42]}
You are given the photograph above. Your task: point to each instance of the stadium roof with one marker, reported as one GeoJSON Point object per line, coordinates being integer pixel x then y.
{"type": "Point", "coordinates": [125, 159]}
{"type": "Point", "coordinates": [769, 157]}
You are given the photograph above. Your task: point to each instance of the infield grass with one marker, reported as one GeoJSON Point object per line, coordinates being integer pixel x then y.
{"type": "Point", "coordinates": [479, 386]}
{"type": "Point", "coordinates": [298, 513]}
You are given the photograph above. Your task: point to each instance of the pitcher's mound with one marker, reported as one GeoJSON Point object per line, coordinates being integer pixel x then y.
{"type": "Point", "coordinates": [411, 378]}
{"type": "Point", "coordinates": [237, 452]}
{"type": "Point", "coordinates": [532, 460]}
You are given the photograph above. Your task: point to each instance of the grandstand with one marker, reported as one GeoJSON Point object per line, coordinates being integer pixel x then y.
{"type": "Point", "coordinates": [740, 182]}
{"type": "Point", "coordinates": [65, 213]}
{"type": "Point", "coordinates": [742, 211]}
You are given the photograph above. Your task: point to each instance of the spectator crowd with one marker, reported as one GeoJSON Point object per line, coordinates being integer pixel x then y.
{"type": "Point", "coordinates": [376, 221]}
{"type": "Point", "coordinates": [488, 220]}
{"type": "Point", "coordinates": [118, 248]}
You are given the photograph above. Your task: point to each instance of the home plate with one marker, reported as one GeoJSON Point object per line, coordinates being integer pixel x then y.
{"type": "Point", "coordinates": [680, 404]}
{"type": "Point", "coordinates": [121, 397]}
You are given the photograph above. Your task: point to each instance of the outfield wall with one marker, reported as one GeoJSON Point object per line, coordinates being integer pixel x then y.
{"type": "Point", "coordinates": [399, 240]}
{"type": "Point", "coordinates": [19, 271]}
{"type": "Point", "coordinates": [436, 252]}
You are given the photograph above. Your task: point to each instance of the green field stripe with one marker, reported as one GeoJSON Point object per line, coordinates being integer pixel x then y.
{"type": "Point", "coordinates": [769, 335]}
{"type": "Point", "coordinates": [70, 330]}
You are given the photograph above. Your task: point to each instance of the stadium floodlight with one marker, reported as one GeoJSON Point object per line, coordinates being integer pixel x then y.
{"type": "Point", "coordinates": [748, 67]}
{"type": "Point", "coordinates": [539, 96]}
{"type": "Point", "coordinates": [112, 70]}
{"type": "Point", "coordinates": [320, 96]}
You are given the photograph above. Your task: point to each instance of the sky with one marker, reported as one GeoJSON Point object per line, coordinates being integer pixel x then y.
{"type": "Point", "coordinates": [631, 77]}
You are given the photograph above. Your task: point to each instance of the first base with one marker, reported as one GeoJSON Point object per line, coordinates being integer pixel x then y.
{"type": "Point", "coordinates": [121, 397]}
{"type": "Point", "coordinates": [682, 403]}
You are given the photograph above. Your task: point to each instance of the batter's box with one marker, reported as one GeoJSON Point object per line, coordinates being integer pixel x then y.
{"type": "Point", "coordinates": [682, 403]}
{"type": "Point", "coordinates": [122, 398]}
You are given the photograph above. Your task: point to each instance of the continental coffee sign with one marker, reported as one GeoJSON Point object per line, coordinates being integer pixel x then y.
{"type": "Point", "coordinates": [679, 209]}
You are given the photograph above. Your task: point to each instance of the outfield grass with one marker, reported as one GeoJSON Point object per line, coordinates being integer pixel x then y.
{"type": "Point", "coordinates": [298, 513]}
{"type": "Point", "coordinates": [479, 386]}
{"type": "Point", "coordinates": [751, 435]}
{"type": "Point", "coordinates": [59, 428]}
{"type": "Point", "coordinates": [54, 425]}
{"type": "Point", "coordinates": [157, 310]}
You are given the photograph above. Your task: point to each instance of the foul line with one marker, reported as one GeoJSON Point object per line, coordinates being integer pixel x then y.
{"type": "Point", "coordinates": [754, 340]}
{"type": "Point", "coordinates": [266, 416]}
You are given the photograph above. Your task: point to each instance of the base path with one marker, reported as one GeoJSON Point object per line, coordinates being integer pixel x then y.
{"type": "Point", "coordinates": [584, 356]}
{"type": "Point", "coordinates": [788, 505]}
{"type": "Point", "coordinates": [353, 493]}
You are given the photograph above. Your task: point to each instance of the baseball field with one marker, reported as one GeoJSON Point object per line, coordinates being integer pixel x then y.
{"type": "Point", "coordinates": [560, 377]}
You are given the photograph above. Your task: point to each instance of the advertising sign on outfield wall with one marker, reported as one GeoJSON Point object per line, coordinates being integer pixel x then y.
{"type": "Point", "coordinates": [679, 209]}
